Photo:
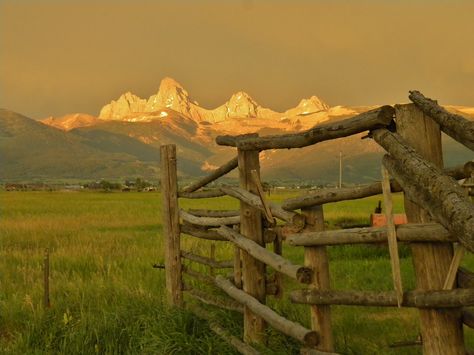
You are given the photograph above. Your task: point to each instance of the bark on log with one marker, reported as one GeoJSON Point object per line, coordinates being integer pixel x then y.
{"type": "Point", "coordinates": [295, 330]}
{"type": "Point", "coordinates": [419, 299]}
{"type": "Point", "coordinates": [380, 117]}
{"type": "Point", "coordinates": [214, 213]}
{"type": "Point", "coordinates": [300, 273]}
{"type": "Point", "coordinates": [421, 232]}
{"type": "Point", "coordinates": [254, 201]}
{"type": "Point", "coordinates": [441, 196]}
{"type": "Point", "coordinates": [212, 300]}
{"type": "Point", "coordinates": [201, 194]}
{"type": "Point", "coordinates": [209, 234]}
{"type": "Point", "coordinates": [426, 185]}
{"type": "Point", "coordinates": [230, 140]}
{"type": "Point", "coordinates": [221, 171]}
{"type": "Point", "coordinates": [323, 196]}
{"type": "Point", "coordinates": [208, 221]}
{"type": "Point", "coordinates": [224, 264]}
{"type": "Point", "coordinates": [455, 126]}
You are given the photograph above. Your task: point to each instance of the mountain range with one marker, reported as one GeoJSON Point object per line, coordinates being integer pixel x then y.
{"type": "Point", "coordinates": [123, 140]}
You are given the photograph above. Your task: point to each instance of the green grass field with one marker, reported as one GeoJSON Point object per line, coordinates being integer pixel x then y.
{"type": "Point", "coordinates": [107, 299]}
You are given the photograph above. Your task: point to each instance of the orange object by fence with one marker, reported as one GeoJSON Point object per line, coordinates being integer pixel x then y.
{"type": "Point", "coordinates": [379, 219]}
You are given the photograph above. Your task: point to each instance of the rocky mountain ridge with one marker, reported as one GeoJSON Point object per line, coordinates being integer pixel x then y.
{"type": "Point", "coordinates": [172, 96]}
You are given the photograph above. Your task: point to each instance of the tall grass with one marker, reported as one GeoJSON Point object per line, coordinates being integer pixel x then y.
{"type": "Point", "coordinates": [107, 299]}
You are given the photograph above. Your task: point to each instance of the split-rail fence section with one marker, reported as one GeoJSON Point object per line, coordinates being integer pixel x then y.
{"type": "Point", "coordinates": [440, 229]}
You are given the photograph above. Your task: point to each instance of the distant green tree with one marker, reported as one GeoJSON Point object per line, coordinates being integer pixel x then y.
{"type": "Point", "coordinates": [108, 186]}
{"type": "Point", "coordinates": [141, 184]}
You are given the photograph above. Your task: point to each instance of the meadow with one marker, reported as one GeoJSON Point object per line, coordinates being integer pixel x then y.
{"type": "Point", "coordinates": [106, 298]}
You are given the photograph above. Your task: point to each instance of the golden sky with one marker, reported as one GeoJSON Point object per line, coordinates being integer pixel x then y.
{"type": "Point", "coordinates": [67, 56]}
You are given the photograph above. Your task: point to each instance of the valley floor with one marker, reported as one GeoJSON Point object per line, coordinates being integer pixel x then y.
{"type": "Point", "coordinates": [107, 299]}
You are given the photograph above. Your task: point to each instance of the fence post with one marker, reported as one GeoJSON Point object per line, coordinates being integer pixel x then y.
{"type": "Point", "coordinates": [171, 233]}
{"type": "Point", "coordinates": [237, 268]}
{"type": "Point", "coordinates": [317, 259]}
{"type": "Point", "coordinates": [253, 271]}
{"type": "Point", "coordinates": [441, 331]}
{"type": "Point", "coordinates": [46, 300]}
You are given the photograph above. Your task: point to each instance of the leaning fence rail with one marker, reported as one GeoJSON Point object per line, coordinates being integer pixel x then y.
{"type": "Point", "coordinates": [221, 171]}
{"type": "Point", "coordinates": [380, 117]}
{"type": "Point", "coordinates": [456, 126]}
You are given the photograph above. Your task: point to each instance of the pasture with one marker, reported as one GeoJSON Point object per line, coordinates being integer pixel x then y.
{"type": "Point", "coordinates": [107, 299]}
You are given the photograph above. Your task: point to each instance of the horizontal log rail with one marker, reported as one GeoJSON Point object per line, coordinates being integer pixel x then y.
{"type": "Point", "coordinates": [411, 233]}
{"type": "Point", "coordinates": [419, 299]}
{"type": "Point", "coordinates": [300, 273]}
{"type": "Point", "coordinates": [269, 235]}
{"type": "Point", "coordinates": [201, 194]}
{"type": "Point", "coordinates": [455, 126]}
{"type": "Point", "coordinates": [254, 201]}
{"type": "Point", "coordinates": [328, 195]}
{"type": "Point", "coordinates": [208, 221]}
{"type": "Point", "coordinates": [212, 234]}
{"type": "Point", "coordinates": [322, 196]}
{"type": "Point", "coordinates": [209, 234]}
{"type": "Point", "coordinates": [456, 172]}
{"type": "Point", "coordinates": [426, 185]}
{"type": "Point", "coordinates": [224, 264]}
{"type": "Point", "coordinates": [380, 117]}
{"type": "Point", "coordinates": [295, 330]}
{"type": "Point", "coordinates": [214, 213]}
{"type": "Point", "coordinates": [211, 300]}
{"type": "Point", "coordinates": [214, 175]}
{"type": "Point", "coordinates": [465, 278]}
{"type": "Point", "coordinates": [238, 344]}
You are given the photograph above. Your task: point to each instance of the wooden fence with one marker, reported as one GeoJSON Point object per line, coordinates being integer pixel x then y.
{"type": "Point", "coordinates": [439, 211]}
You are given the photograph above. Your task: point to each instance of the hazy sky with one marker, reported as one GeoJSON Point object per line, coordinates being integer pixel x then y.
{"type": "Point", "coordinates": [67, 56]}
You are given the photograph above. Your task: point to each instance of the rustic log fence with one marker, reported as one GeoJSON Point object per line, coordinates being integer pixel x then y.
{"type": "Point", "coordinates": [440, 215]}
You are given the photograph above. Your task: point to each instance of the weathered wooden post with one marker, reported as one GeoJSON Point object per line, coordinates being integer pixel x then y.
{"type": "Point", "coordinates": [171, 232]}
{"type": "Point", "coordinates": [46, 299]}
{"type": "Point", "coordinates": [317, 259]}
{"type": "Point", "coordinates": [441, 331]}
{"type": "Point", "coordinates": [237, 268]}
{"type": "Point", "coordinates": [253, 271]}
